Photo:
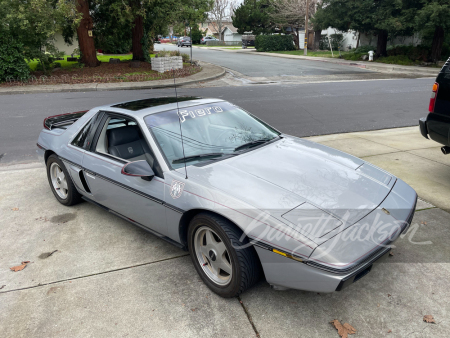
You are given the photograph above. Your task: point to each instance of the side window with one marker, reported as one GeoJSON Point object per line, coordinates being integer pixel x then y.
{"type": "Point", "coordinates": [123, 139]}
{"type": "Point", "coordinates": [82, 140]}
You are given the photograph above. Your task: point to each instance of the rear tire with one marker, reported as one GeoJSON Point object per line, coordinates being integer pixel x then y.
{"type": "Point", "coordinates": [61, 183]}
{"type": "Point", "coordinates": [217, 254]}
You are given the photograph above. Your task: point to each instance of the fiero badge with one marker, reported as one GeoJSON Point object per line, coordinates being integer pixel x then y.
{"type": "Point", "coordinates": [176, 189]}
{"type": "Point", "coordinates": [192, 114]}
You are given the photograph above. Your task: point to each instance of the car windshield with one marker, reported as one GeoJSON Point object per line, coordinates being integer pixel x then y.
{"type": "Point", "coordinates": [209, 132]}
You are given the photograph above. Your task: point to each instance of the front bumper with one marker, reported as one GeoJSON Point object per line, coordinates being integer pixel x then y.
{"type": "Point", "coordinates": [319, 276]}
{"type": "Point", "coordinates": [423, 127]}
{"type": "Point", "coordinates": [287, 273]}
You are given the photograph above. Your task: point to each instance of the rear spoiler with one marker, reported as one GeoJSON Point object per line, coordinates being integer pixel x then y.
{"type": "Point", "coordinates": [62, 120]}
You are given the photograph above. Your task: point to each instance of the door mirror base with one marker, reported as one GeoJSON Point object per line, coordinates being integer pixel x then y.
{"type": "Point", "coordinates": [139, 169]}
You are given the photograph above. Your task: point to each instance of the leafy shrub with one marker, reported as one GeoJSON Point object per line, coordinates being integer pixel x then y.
{"type": "Point", "coordinates": [12, 62]}
{"type": "Point", "coordinates": [185, 57]}
{"type": "Point", "coordinates": [163, 53]}
{"type": "Point", "coordinates": [414, 53]}
{"type": "Point", "coordinates": [196, 34]}
{"type": "Point", "coordinates": [267, 43]}
{"type": "Point", "coordinates": [354, 56]}
{"type": "Point", "coordinates": [323, 42]}
{"type": "Point", "coordinates": [397, 59]}
{"type": "Point", "coordinates": [364, 49]}
{"type": "Point", "coordinates": [336, 40]}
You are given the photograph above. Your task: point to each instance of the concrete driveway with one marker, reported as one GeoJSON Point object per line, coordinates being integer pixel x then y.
{"type": "Point", "coordinates": [111, 279]}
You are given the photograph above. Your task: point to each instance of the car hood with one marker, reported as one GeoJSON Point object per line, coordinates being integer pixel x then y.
{"type": "Point", "coordinates": [293, 178]}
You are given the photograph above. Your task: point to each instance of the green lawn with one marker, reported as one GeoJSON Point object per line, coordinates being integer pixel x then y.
{"type": "Point", "coordinates": [322, 53]}
{"type": "Point", "coordinates": [103, 58]}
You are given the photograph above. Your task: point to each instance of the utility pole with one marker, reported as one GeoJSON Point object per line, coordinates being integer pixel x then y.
{"type": "Point", "coordinates": [305, 48]}
{"type": "Point", "coordinates": [190, 31]}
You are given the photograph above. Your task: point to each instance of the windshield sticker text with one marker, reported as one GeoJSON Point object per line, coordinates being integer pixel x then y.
{"type": "Point", "coordinates": [192, 114]}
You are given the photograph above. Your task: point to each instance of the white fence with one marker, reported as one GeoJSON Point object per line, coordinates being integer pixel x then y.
{"type": "Point", "coordinates": [163, 64]}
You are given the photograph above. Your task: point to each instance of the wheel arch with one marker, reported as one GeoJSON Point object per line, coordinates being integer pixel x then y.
{"type": "Point", "coordinates": [187, 217]}
{"type": "Point", "coordinates": [47, 154]}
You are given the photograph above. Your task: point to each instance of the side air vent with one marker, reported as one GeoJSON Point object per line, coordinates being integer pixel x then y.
{"type": "Point", "coordinates": [83, 181]}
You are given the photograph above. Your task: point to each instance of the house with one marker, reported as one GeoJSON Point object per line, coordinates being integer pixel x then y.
{"type": "Point", "coordinates": [230, 33]}
{"type": "Point", "coordinates": [350, 40]}
{"type": "Point", "coordinates": [64, 47]}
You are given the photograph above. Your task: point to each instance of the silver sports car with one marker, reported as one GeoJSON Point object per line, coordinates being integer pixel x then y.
{"type": "Point", "coordinates": [245, 199]}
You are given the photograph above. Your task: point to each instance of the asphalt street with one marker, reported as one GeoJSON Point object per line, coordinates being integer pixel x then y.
{"type": "Point", "coordinates": [296, 109]}
{"type": "Point", "coordinates": [254, 65]}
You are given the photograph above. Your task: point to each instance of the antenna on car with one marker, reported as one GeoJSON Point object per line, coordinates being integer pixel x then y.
{"type": "Point", "coordinates": [179, 121]}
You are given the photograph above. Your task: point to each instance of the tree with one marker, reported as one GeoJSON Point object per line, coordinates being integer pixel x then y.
{"type": "Point", "coordinates": [85, 36]}
{"type": "Point", "coordinates": [385, 18]}
{"type": "Point", "coordinates": [291, 14]}
{"type": "Point", "coordinates": [434, 15]}
{"type": "Point", "coordinates": [196, 34]}
{"type": "Point", "coordinates": [33, 25]}
{"type": "Point", "coordinates": [220, 11]}
{"type": "Point", "coordinates": [254, 16]}
{"type": "Point", "coordinates": [111, 35]}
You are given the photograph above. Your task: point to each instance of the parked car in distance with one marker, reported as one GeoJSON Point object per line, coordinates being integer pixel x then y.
{"type": "Point", "coordinates": [436, 125]}
{"type": "Point", "coordinates": [205, 39]}
{"type": "Point", "coordinates": [184, 41]}
{"type": "Point", "coordinates": [240, 196]}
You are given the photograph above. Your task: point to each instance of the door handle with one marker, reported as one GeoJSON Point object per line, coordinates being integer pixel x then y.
{"type": "Point", "coordinates": [90, 176]}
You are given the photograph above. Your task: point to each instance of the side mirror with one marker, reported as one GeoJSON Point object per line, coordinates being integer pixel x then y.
{"type": "Point", "coordinates": [139, 169]}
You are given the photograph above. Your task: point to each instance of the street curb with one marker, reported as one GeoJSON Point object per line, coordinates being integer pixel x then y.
{"type": "Point", "coordinates": [216, 71]}
{"type": "Point", "coordinates": [380, 67]}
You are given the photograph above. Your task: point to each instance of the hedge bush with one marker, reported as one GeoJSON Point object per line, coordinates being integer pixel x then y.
{"type": "Point", "coordinates": [414, 53]}
{"type": "Point", "coordinates": [12, 62]}
{"type": "Point", "coordinates": [267, 43]}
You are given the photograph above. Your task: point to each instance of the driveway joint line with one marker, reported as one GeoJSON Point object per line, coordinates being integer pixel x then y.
{"type": "Point", "coordinates": [425, 158]}
{"type": "Point", "coordinates": [94, 274]}
{"type": "Point", "coordinates": [393, 152]}
{"type": "Point", "coordinates": [362, 136]}
{"type": "Point", "coordinates": [249, 316]}
{"type": "Point", "coordinates": [426, 209]}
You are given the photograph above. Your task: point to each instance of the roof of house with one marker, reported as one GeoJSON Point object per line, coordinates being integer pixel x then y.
{"type": "Point", "coordinates": [231, 28]}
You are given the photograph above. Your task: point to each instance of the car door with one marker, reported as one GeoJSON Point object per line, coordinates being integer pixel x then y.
{"type": "Point", "coordinates": [133, 198]}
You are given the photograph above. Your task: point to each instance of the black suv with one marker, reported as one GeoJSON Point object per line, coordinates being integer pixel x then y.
{"type": "Point", "coordinates": [437, 124]}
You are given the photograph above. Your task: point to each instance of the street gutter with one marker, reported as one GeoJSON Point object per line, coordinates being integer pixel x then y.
{"type": "Point", "coordinates": [209, 72]}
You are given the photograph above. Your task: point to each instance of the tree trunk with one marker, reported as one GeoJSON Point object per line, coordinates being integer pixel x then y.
{"type": "Point", "coordinates": [358, 39]}
{"type": "Point", "coordinates": [317, 36]}
{"type": "Point", "coordinates": [382, 43]}
{"type": "Point", "coordinates": [436, 47]}
{"type": "Point", "coordinates": [137, 35]}
{"type": "Point", "coordinates": [86, 42]}
{"type": "Point", "coordinates": [296, 39]}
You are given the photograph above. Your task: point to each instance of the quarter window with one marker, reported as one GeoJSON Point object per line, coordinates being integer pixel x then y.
{"type": "Point", "coordinates": [83, 140]}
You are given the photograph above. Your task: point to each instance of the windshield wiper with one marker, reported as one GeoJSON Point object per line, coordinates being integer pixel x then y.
{"type": "Point", "coordinates": [253, 143]}
{"type": "Point", "coordinates": [195, 157]}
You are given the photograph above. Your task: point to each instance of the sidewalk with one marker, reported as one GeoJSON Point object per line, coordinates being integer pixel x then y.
{"type": "Point", "coordinates": [209, 72]}
{"type": "Point", "coordinates": [375, 66]}
{"type": "Point", "coordinates": [403, 152]}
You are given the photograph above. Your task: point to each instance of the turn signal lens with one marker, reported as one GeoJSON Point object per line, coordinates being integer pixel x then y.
{"type": "Point", "coordinates": [433, 97]}
{"type": "Point", "coordinates": [286, 255]}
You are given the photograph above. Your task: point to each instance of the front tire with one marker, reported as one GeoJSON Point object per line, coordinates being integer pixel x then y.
{"type": "Point", "coordinates": [226, 265]}
{"type": "Point", "coordinates": [61, 183]}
